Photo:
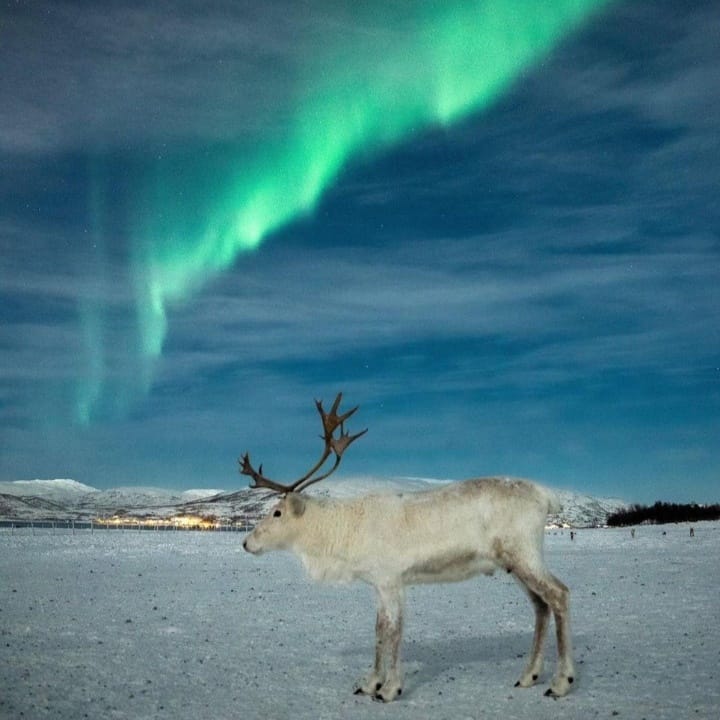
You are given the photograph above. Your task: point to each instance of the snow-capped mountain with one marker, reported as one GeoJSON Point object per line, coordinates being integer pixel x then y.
{"type": "Point", "coordinates": [585, 510]}
{"type": "Point", "coordinates": [31, 507]}
{"type": "Point", "coordinates": [68, 499]}
{"type": "Point", "coordinates": [126, 499]}
{"type": "Point", "coordinates": [59, 490]}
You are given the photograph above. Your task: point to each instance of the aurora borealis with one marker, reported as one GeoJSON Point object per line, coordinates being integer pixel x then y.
{"type": "Point", "coordinates": [352, 98]}
{"type": "Point", "coordinates": [492, 224]}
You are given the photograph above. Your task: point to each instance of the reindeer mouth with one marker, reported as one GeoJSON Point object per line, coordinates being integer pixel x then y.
{"type": "Point", "coordinates": [248, 547]}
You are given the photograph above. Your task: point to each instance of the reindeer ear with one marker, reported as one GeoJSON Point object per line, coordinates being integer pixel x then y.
{"type": "Point", "coordinates": [295, 504]}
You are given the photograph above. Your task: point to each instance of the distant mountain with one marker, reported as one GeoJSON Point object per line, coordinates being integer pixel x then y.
{"type": "Point", "coordinates": [61, 490]}
{"type": "Point", "coordinates": [585, 510]}
{"type": "Point", "coordinates": [31, 507]}
{"type": "Point", "coordinates": [68, 499]}
{"type": "Point", "coordinates": [128, 499]}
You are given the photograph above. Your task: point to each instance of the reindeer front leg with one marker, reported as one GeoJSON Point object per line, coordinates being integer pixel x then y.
{"type": "Point", "coordinates": [384, 682]}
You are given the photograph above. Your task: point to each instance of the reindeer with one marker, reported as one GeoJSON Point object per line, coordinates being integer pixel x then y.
{"type": "Point", "coordinates": [390, 541]}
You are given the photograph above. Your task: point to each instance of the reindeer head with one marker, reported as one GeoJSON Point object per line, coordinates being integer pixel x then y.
{"type": "Point", "coordinates": [278, 530]}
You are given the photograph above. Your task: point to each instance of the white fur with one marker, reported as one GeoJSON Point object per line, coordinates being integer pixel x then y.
{"type": "Point", "coordinates": [445, 534]}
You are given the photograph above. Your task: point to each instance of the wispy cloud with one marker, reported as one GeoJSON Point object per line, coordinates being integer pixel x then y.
{"type": "Point", "coordinates": [127, 74]}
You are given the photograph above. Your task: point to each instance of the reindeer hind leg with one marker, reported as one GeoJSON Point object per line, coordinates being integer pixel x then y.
{"type": "Point", "coordinates": [534, 666]}
{"type": "Point", "coordinates": [556, 595]}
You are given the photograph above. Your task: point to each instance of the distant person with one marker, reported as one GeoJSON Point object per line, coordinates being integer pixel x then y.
{"type": "Point", "coordinates": [692, 532]}
{"type": "Point", "coordinates": [632, 533]}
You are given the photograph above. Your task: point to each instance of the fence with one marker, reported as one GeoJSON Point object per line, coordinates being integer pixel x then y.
{"type": "Point", "coordinates": [73, 526]}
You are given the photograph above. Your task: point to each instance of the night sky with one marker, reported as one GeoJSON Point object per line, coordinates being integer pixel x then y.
{"type": "Point", "coordinates": [494, 225]}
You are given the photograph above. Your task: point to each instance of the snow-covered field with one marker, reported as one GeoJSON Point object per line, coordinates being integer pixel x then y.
{"type": "Point", "coordinates": [186, 625]}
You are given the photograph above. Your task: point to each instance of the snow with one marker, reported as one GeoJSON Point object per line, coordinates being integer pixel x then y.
{"type": "Point", "coordinates": [199, 494]}
{"type": "Point", "coordinates": [146, 625]}
{"type": "Point", "coordinates": [59, 490]}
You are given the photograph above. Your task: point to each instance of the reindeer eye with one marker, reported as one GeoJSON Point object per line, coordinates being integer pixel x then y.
{"type": "Point", "coordinates": [277, 513]}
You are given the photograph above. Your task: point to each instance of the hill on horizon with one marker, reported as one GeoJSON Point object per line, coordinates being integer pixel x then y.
{"type": "Point", "coordinates": [64, 499]}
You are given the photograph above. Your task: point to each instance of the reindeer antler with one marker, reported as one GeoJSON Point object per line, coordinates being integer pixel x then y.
{"type": "Point", "coordinates": [331, 421]}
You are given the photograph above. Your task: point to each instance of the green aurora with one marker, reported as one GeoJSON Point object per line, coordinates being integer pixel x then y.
{"type": "Point", "coordinates": [422, 66]}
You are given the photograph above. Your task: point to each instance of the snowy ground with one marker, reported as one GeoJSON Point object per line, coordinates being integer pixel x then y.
{"type": "Point", "coordinates": [186, 625]}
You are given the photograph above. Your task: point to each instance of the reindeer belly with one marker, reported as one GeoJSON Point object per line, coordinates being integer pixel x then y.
{"type": "Point", "coordinates": [452, 566]}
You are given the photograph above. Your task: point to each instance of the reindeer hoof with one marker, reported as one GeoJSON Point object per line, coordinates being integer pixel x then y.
{"type": "Point", "coordinates": [388, 696]}
{"type": "Point", "coordinates": [560, 686]}
{"type": "Point", "coordinates": [527, 680]}
{"type": "Point", "coordinates": [381, 698]}
{"type": "Point", "coordinates": [368, 686]}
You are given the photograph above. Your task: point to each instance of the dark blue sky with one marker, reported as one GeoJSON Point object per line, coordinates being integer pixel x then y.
{"type": "Point", "coordinates": [530, 289]}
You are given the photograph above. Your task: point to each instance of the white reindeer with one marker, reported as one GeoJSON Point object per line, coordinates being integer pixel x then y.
{"type": "Point", "coordinates": [442, 535]}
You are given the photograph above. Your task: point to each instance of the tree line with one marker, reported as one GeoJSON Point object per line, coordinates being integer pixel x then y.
{"type": "Point", "coordinates": [663, 512]}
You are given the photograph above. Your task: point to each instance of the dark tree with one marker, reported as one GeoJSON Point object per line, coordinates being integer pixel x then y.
{"type": "Point", "coordinates": [662, 512]}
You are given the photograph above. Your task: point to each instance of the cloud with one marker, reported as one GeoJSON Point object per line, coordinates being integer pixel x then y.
{"type": "Point", "coordinates": [573, 313]}
{"type": "Point", "coordinates": [127, 74]}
